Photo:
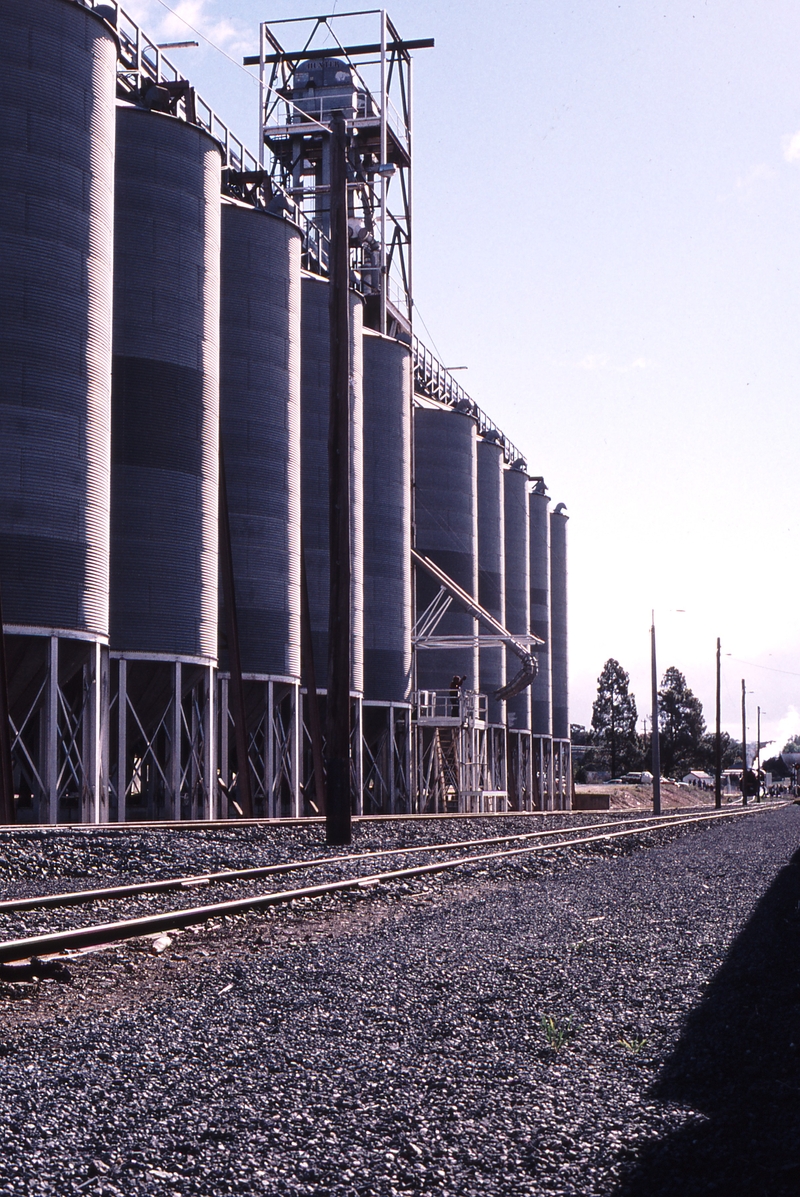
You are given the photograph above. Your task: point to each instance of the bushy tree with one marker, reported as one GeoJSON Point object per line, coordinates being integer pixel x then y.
{"type": "Point", "coordinates": [731, 752]}
{"type": "Point", "coordinates": [614, 719]}
{"type": "Point", "coordinates": [792, 745]}
{"type": "Point", "coordinates": [682, 725]}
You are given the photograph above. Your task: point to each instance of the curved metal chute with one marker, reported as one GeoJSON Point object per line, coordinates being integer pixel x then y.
{"type": "Point", "coordinates": [521, 679]}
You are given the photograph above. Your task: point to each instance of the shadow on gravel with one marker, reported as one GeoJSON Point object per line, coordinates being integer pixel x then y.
{"type": "Point", "coordinates": [738, 1064]}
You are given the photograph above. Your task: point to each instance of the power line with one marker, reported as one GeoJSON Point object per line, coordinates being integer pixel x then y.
{"type": "Point", "coordinates": [208, 40]}
{"type": "Point", "coordinates": [771, 668]}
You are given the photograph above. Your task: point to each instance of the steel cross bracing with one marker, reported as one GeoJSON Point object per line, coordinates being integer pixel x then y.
{"type": "Point", "coordinates": [386, 748]}
{"type": "Point", "coordinates": [57, 724]}
{"type": "Point", "coordinates": [273, 734]}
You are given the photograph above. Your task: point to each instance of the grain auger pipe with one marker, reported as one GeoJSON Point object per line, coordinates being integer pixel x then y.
{"type": "Point", "coordinates": [529, 667]}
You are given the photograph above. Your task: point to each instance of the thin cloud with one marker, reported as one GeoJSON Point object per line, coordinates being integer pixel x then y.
{"type": "Point", "coordinates": [791, 147]}
{"type": "Point", "coordinates": [758, 174]}
{"type": "Point", "coordinates": [181, 19]}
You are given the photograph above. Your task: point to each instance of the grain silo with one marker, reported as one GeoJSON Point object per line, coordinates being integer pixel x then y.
{"type": "Point", "coordinates": [541, 696]}
{"type": "Point", "coordinates": [446, 524]}
{"type": "Point", "coordinates": [260, 433]}
{"type": "Point", "coordinates": [314, 417]}
{"type": "Point", "coordinates": [57, 87]}
{"type": "Point", "coordinates": [491, 565]}
{"type": "Point", "coordinates": [165, 447]}
{"type": "Point", "coordinates": [517, 566]}
{"type": "Point", "coordinates": [387, 574]}
{"type": "Point", "coordinates": [491, 596]}
{"type": "Point", "coordinates": [558, 640]}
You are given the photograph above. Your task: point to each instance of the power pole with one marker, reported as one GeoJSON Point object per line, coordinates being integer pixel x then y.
{"type": "Point", "coordinates": [744, 746]}
{"type": "Point", "coordinates": [718, 742]}
{"type": "Point", "coordinates": [337, 745]}
{"type": "Point", "coordinates": [6, 771]}
{"type": "Point", "coordinates": [758, 755]}
{"type": "Point", "coordinates": [656, 748]}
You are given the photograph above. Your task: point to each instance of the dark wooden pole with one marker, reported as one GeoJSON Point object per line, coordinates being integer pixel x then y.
{"type": "Point", "coordinates": [6, 772]}
{"type": "Point", "coordinates": [243, 790]}
{"type": "Point", "coordinates": [310, 676]}
{"type": "Point", "coordinates": [655, 746]}
{"type": "Point", "coordinates": [718, 741]}
{"type": "Point", "coordinates": [744, 745]}
{"type": "Point", "coordinates": [337, 745]}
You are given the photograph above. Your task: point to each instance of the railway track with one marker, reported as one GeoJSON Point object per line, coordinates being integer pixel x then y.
{"type": "Point", "coordinates": [51, 943]}
{"type": "Point", "coordinates": [198, 880]}
{"type": "Point", "coordinates": [82, 937]}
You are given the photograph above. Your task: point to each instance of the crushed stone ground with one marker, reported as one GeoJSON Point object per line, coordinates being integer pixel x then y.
{"type": "Point", "coordinates": [622, 1022]}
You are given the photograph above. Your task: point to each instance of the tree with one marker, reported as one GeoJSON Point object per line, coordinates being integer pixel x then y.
{"type": "Point", "coordinates": [792, 745]}
{"type": "Point", "coordinates": [682, 725]}
{"type": "Point", "coordinates": [730, 754]}
{"type": "Point", "coordinates": [614, 719]}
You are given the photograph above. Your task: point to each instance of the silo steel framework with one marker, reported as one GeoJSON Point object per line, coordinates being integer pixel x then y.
{"type": "Point", "coordinates": [164, 476]}
{"type": "Point", "coordinates": [56, 216]}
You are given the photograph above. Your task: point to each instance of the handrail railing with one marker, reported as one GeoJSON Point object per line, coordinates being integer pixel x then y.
{"type": "Point", "coordinates": [434, 381]}
{"type": "Point", "coordinates": [141, 62]}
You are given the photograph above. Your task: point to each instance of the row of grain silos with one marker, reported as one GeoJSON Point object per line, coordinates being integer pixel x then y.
{"type": "Point", "coordinates": [487, 524]}
{"type": "Point", "coordinates": [152, 332]}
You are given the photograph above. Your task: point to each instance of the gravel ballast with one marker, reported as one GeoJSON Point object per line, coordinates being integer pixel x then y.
{"type": "Point", "coordinates": [618, 1022]}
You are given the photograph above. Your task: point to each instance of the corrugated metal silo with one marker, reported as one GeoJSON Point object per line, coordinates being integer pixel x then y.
{"type": "Point", "coordinates": [517, 534]}
{"type": "Point", "coordinates": [314, 410]}
{"type": "Point", "coordinates": [491, 565]}
{"type": "Point", "coordinates": [387, 519]}
{"type": "Point", "coordinates": [386, 713]}
{"type": "Point", "coordinates": [57, 87]}
{"type": "Point", "coordinates": [165, 436]}
{"type": "Point", "coordinates": [164, 464]}
{"type": "Point", "coordinates": [541, 695]}
{"type": "Point", "coordinates": [446, 521]}
{"type": "Point", "coordinates": [260, 428]}
{"type": "Point", "coordinates": [558, 621]}
{"type": "Point", "coordinates": [260, 431]}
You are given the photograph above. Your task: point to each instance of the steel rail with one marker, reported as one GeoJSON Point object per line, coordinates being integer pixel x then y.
{"type": "Point", "coordinates": [107, 933]}
{"type": "Point", "coordinates": [196, 880]}
{"type": "Point", "coordinates": [32, 829]}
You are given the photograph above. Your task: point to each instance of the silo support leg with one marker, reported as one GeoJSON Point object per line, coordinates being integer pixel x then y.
{"type": "Point", "coordinates": [224, 733]}
{"type": "Point", "coordinates": [177, 739]}
{"type": "Point", "coordinates": [271, 791]}
{"type": "Point", "coordinates": [295, 750]}
{"type": "Point", "coordinates": [122, 742]}
{"type": "Point", "coordinates": [209, 788]}
{"type": "Point", "coordinates": [51, 734]}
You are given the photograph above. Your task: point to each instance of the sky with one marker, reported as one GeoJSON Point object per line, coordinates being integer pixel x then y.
{"type": "Point", "coordinates": [607, 233]}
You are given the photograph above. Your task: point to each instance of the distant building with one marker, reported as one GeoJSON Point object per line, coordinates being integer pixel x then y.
{"type": "Point", "coordinates": [699, 778]}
